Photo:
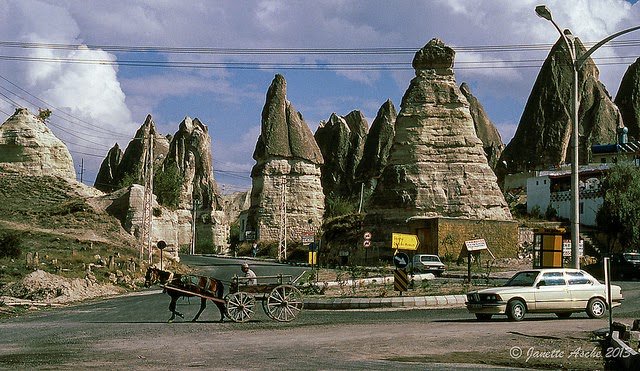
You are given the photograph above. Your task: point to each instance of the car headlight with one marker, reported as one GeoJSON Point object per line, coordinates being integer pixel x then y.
{"type": "Point", "coordinates": [492, 297]}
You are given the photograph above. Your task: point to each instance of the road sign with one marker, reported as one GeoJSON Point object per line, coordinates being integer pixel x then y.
{"type": "Point", "coordinates": [366, 243]}
{"type": "Point", "coordinates": [401, 260]}
{"type": "Point", "coordinates": [307, 238]}
{"type": "Point", "coordinates": [367, 235]}
{"type": "Point", "coordinates": [400, 281]}
{"type": "Point", "coordinates": [401, 241]}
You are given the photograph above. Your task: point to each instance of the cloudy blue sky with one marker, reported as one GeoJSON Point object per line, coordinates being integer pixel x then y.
{"type": "Point", "coordinates": [102, 66]}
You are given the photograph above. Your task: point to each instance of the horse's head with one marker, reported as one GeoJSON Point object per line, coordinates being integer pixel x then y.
{"type": "Point", "coordinates": [155, 275]}
{"type": "Point", "coordinates": [151, 277]}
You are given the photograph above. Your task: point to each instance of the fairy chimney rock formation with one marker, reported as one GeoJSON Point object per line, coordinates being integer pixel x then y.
{"type": "Point", "coordinates": [106, 178]}
{"type": "Point", "coordinates": [286, 176]}
{"type": "Point", "coordinates": [341, 141]}
{"type": "Point", "coordinates": [543, 137]}
{"type": "Point", "coordinates": [378, 145]}
{"type": "Point", "coordinates": [437, 166]}
{"type": "Point", "coordinates": [628, 99]}
{"type": "Point", "coordinates": [485, 129]}
{"type": "Point", "coordinates": [29, 147]}
{"type": "Point", "coordinates": [189, 156]}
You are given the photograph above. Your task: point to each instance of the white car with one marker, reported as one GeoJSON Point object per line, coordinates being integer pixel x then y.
{"type": "Point", "coordinates": [560, 290]}
{"type": "Point", "coordinates": [425, 263]}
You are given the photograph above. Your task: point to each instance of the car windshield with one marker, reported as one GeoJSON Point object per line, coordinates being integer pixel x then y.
{"type": "Point", "coordinates": [526, 278]}
{"type": "Point", "coordinates": [430, 259]}
{"type": "Point", "coordinates": [632, 257]}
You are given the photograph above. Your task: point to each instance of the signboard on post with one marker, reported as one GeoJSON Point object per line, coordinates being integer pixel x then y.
{"type": "Point", "coordinates": [401, 241]}
{"type": "Point", "coordinates": [307, 238]}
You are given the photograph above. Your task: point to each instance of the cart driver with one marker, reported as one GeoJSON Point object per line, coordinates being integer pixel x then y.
{"type": "Point", "coordinates": [249, 274]}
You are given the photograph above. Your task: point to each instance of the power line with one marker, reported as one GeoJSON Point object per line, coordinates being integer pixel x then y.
{"type": "Point", "coordinates": [288, 51]}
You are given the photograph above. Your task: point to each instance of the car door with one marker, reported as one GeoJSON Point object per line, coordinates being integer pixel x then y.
{"type": "Point", "coordinates": [552, 292]}
{"type": "Point", "coordinates": [581, 289]}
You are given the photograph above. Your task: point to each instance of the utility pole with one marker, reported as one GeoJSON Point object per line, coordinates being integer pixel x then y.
{"type": "Point", "coordinates": [147, 204]}
{"type": "Point", "coordinates": [81, 169]}
{"type": "Point", "coordinates": [193, 226]}
{"type": "Point", "coordinates": [282, 244]}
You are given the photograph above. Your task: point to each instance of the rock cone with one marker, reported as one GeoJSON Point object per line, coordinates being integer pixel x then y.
{"type": "Point", "coordinates": [437, 166]}
{"type": "Point", "coordinates": [628, 99]}
{"type": "Point", "coordinates": [543, 136]}
{"type": "Point", "coordinates": [341, 141]}
{"type": "Point", "coordinates": [286, 176]}
{"type": "Point", "coordinates": [28, 146]}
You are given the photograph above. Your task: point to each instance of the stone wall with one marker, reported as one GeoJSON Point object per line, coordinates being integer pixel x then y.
{"type": "Point", "coordinates": [446, 236]}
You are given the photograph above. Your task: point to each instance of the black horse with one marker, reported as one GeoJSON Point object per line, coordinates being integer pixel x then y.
{"type": "Point", "coordinates": [179, 285]}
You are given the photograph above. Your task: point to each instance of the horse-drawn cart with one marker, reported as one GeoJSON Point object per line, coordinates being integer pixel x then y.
{"type": "Point", "coordinates": [281, 300]}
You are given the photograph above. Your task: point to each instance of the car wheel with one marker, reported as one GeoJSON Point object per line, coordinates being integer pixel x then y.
{"type": "Point", "coordinates": [516, 310]}
{"type": "Point", "coordinates": [596, 308]}
{"type": "Point", "coordinates": [483, 316]}
{"type": "Point", "coordinates": [563, 314]}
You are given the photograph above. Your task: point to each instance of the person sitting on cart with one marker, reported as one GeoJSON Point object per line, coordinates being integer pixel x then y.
{"type": "Point", "coordinates": [249, 274]}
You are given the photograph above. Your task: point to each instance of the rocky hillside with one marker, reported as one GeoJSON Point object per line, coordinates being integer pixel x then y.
{"type": "Point", "coordinates": [50, 225]}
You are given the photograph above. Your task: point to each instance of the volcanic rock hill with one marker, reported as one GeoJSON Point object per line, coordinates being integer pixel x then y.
{"type": "Point", "coordinates": [437, 166]}
{"type": "Point", "coordinates": [628, 99]}
{"type": "Point", "coordinates": [543, 136]}
{"type": "Point", "coordinates": [28, 146]}
{"type": "Point", "coordinates": [287, 171]}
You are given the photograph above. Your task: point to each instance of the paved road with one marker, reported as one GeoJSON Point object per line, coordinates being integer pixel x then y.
{"type": "Point", "coordinates": [131, 332]}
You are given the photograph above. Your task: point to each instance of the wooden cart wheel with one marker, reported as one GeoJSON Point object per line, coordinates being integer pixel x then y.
{"type": "Point", "coordinates": [284, 303]}
{"type": "Point", "coordinates": [240, 306]}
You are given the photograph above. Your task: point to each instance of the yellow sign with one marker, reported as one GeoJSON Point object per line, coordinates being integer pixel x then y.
{"type": "Point", "coordinates": [401, 241]}
{"type": "Point", "coordinates": [313, 256]}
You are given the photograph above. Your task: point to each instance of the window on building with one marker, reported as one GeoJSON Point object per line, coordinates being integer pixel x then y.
{"type": "Point", "coordinates": [581, 207]}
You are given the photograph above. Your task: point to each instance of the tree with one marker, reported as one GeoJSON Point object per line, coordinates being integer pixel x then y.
{"type": "Point", "coordinates": [44, 114]}
{"type": "Point", "coordinates": [167, 185]}
{"type": "Point", "coordinates": [619, 215]}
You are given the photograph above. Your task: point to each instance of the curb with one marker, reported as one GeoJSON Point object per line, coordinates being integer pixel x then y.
{"type": "Point", "coordinates": [443, 301]}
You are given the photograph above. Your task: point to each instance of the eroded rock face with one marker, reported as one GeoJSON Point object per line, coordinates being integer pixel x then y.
{"type": "Point", "coordinates": [378, 145]}
{"type": "Point", "coordinates": [341, 141]}
{"type": "Point", "coordinates": [628, 99]}
{"type": "Point", "coordinates": [190, 153]}
{"type": "Point", "coordinates": [485, 129]}
{"type": "Point", "coordinates": [437, 166]}
{"type": "Point", "coordinates": [131, 162]}
{"type": "Point", "coordinates": [287, 171]}
{"type": "Point", "coordinates": [105, 180]}
{"type": "Point", "coordinates": [29, 147]}
{"type": "Point", "coordinates": [543, 137]}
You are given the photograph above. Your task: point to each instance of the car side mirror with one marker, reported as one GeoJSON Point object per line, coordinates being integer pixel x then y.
{"type": "Point", "coordinates": [541, 283]}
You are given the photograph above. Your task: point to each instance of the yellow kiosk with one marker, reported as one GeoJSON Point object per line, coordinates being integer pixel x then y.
{"type": "Point", "coordinates": [547, 247]}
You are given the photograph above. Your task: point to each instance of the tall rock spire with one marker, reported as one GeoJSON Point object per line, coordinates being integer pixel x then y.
{"type": "Point", "coordinates": [437, 166]}
{"type": "Point", "coordinates": [543, 136]}
{"type": "Point", "coordinates": [341, 141]}
{"type": "Point", "coordinates": [286, 177]}
{"type": "Point", "coordinates": [628, 99]}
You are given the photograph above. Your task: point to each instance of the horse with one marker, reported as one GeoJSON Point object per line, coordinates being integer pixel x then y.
{"type": "Point", "coordinates": [199, 285]}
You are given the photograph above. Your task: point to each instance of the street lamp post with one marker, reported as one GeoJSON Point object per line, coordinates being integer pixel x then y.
{"type": "Point", "coordinates": [576, 63]}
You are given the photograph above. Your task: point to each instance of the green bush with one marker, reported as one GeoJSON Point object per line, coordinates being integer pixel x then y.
{"type": "Point", "coordinates": [10, 245]}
